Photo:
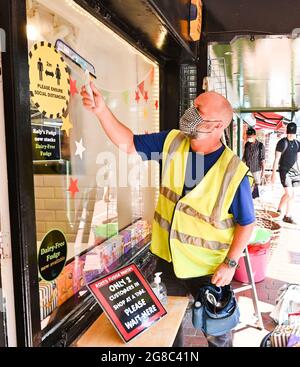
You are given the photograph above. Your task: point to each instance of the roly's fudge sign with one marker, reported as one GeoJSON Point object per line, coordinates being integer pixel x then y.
{"type": "Point", "coordinates": [128, 300]}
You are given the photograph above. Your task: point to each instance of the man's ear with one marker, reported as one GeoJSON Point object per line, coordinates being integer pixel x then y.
{"type": "Point", "coordinates": [197, 102]}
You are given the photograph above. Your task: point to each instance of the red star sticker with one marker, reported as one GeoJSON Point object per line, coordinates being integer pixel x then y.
{"type": "Point", "coordinates": [156, 104]}
{"type": "Point", "coordinates": [73, 187]}
{"type": "Point", "coordinates": [73, 88]}
{"type": "Point", "coordinates": [146, 96]}
{"type": "Point", "coordinates": [137, 96]}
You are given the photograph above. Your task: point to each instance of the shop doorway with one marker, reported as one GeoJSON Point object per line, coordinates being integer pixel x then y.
{"type": "Point", "coordinates": [7, 309]}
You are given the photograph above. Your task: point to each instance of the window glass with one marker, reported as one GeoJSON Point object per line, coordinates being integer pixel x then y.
{"type": "Point", "coordinates": [7, 304]}
{"type": "Point", "coordinates": [94, 204]}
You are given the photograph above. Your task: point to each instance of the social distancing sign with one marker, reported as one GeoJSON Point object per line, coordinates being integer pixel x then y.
{"type": "Point", "coordinates": [49, 80]}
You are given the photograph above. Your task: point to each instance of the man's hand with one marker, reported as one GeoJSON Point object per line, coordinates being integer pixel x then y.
{"type": "Point", "coordinates": [87, 102]}
{"type": "Point", "coordinates": [223, 275]}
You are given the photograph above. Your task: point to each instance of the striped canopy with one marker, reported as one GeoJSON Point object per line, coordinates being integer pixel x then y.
{"type": "Point", "coordinates": [269, 120]}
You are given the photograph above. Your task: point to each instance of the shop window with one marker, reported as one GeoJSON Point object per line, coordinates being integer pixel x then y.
{"type": "Point", "coordinates": [94, 205]}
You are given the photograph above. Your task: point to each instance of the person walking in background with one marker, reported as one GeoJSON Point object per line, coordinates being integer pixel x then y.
{"type": "Point", "coordinates": [287, 156]}
{"type": "Point", "coordinates": [254, 157]}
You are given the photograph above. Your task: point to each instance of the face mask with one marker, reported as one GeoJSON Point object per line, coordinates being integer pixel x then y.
{"type": "Point", "coordinates": [189, 122]}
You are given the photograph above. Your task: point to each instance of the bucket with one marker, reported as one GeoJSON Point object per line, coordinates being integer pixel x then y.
{"type": "Point", "coordinates": [258, 253]}
{"type": "Point", "coordinates": [258, 261]}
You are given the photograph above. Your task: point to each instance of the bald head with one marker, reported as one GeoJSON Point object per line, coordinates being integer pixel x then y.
{"type": "Point", "coordinates": [213, 106]}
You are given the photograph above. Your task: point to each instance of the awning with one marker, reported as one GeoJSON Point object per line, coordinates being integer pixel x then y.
{"type": "Point", "coordinates": [269, 120]}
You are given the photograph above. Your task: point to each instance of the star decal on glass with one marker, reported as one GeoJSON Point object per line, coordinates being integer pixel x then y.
{"type": "Point", "coordinates": [79, 148]}
{"type": "Point", "coordinates": [66, 124]}
{"type": "Point", "coordinates": [73, 188]}
{"type": "Point", "coordinates": [73, 87]}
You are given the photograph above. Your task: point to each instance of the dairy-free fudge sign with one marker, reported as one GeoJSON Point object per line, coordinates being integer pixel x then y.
{"type": "Point", "coordinates": [52, 255]}
{"type": "Point", "coordinates": [128, 300]}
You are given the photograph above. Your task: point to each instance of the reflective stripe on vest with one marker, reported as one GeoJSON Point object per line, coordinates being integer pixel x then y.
{"type": "Point", "coordinates": [170, 194]}
{"type": "Point", "coordinates": [162, 222]}
{"type": "Point", "coordinates": [198, 241]}
{"type": "Point", "coordinates": [220, 224]}
{"type": "Point", "coordinates": [214, 219]}
{"type": "Point", "coordinates": [230, 171]}
{"type": "Point", "coordinates": [172, 150]}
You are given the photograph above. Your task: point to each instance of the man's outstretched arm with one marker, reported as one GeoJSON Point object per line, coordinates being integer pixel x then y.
{"type": "Point", "coordinates": [118, 133]}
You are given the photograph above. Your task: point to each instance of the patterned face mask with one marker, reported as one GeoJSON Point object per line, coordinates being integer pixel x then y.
{"type": "Point", "coordinates": [189, 121]}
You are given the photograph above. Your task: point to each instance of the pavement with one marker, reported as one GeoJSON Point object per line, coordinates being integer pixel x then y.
{"type": "Point", "coordinates": [283, 266]}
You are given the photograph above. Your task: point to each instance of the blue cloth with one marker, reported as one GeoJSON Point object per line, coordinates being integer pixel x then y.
{"type": "Point", "coordinates": [150, 146]}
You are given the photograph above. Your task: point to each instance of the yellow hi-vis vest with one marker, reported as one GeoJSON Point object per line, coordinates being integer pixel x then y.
{"type": "Point", "coordinates": [195, 231]}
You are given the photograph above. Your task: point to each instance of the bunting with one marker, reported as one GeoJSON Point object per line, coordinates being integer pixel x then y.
{"type": "Point", "coordinates": [125, 96]}
{"type": "Point", "coordinates": [145, 113]}
{"type": "Point", "coordinates": [105, 95]}
{"type": "Point", "coordinates": [146, 96]}
{"type": "Point", "coordinates": [141, 87]}
{"type": "Point", "coordinates": [137, 96]}
{"type": "Point", "coordinates": [151, 76]}
{"type": "Point", "coordinates": [139, 90]}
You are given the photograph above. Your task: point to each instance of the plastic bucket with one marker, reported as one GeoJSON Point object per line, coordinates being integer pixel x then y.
{"type": "Point", "coordinates": [260, 237]}
{"type": "Point", "coordinates": [258, 260]}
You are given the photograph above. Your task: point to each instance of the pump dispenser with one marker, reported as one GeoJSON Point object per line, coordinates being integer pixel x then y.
{"type": "Point", "coordinates": [159, 288]}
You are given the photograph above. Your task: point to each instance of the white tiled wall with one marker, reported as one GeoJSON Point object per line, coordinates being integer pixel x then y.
{"type": "Point", "coordinates": [56, 209]}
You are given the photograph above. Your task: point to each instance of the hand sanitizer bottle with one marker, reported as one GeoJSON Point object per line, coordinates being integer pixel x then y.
{"type": "Point", "coordinates": [159, 289]}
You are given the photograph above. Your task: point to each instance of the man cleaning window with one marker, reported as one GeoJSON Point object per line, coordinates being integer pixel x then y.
{"type": "Point", "coordinates": [205, 215]}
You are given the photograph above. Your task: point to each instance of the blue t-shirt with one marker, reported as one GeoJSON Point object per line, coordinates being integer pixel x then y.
{"type": "Point", "coordinates": [150, 146]}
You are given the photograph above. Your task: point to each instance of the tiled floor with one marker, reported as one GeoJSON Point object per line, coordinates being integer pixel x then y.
{"type": "Point", "coordinates": [283, 267]}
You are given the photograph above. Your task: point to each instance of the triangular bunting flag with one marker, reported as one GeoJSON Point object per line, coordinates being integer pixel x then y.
{"type": "Point", "coordinates": [141, 87]}
{"type": "Point", "coordinates": [126, 96]}
{"type": "Point", "coordinates": [137, 96]}
{"type": "Point", "coordinates": [146, 96]}
{"type": "Point", "coordinates": [152, 75]}
{"type": "Point", "coordinates": [105, 95]}
{"type": "Point", "coordinates": [145, 113]}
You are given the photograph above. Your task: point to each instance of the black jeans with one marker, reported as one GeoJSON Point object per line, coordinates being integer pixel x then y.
{"type": "Point", "coordinates": [183, 287]}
